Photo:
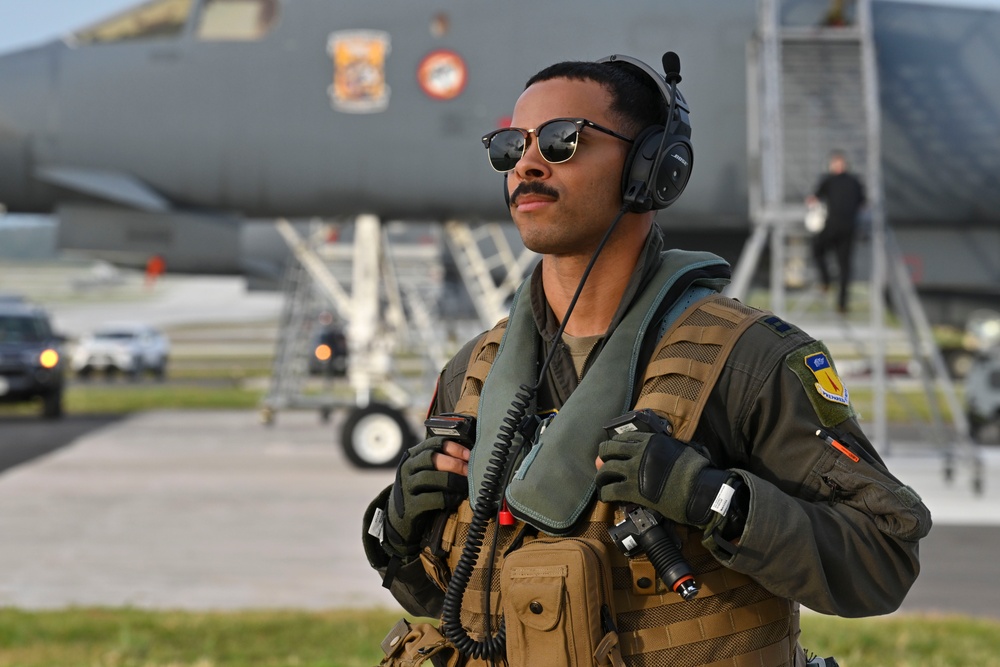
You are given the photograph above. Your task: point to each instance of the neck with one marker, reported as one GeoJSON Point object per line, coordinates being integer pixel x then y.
{"type": "Point", "coordinates": [603, 291]}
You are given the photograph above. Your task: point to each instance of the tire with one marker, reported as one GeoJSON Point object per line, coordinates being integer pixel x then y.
{"type": "Point", "coordinates": [52, 405]}
{"type": "Point", "coordinates": [976, 424]}
{"type": "Point", "coordinates": [376, 436]}
{"type": "Point", "coordinates": [159, 371]}
{"type": "Point", "coordinates": [135, 374]}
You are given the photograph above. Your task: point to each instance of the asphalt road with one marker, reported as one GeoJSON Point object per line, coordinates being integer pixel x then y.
{"type": "Point", "coordinates": [26, 437]}
{"type": "Point", "coordinates": [212, 510]}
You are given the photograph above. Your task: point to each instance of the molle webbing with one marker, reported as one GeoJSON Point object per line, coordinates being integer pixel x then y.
{"type": "Point", "coordinates": [732, 614]}
{"type": "Point", "coordinates": [689, 358]}
{"type": "Point", "coordinates": [483, 355]}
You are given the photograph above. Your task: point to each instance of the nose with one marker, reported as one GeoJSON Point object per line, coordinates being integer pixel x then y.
{"type": "Point", "coordinates": [25, 110]}
{"type": "Point", "coordinates": [532, 164]}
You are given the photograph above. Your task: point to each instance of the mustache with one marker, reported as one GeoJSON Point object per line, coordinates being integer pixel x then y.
{"type": "Point", "coordinates": [533, 188]}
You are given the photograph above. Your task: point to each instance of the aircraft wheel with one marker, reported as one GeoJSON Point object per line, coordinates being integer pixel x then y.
{"type": "Point", "coordinates": [376, 436]}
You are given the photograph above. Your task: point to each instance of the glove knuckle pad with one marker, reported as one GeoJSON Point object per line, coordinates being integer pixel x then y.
{"type": "Point", "coordinates": [657, 463]}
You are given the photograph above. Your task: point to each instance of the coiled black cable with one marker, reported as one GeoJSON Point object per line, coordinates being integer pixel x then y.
{"type": "Point", "coordinates": [487, 504]}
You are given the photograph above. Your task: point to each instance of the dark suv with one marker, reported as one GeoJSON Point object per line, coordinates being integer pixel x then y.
{"type": "Point", "coordinates": [31, 362]}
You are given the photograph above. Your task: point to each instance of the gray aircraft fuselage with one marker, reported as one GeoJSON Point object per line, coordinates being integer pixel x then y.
{"type": "Point", "coordinates": [180, 125]}
{"type": "Point", "coordinates": [250, 127]}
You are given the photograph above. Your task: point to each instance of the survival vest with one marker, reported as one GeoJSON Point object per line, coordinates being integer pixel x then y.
{"type": "Point", "coordinates": [733, 621]}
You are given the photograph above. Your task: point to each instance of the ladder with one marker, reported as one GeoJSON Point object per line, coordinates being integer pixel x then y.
{"type": "Point", "coordinates": [301, 308]}
{"type": "Point", "coordinates": [812, 90]}
{"type": "Point", "coordinates": [386, 293]}
{"type": "Point", "coordinates": [479, 253]}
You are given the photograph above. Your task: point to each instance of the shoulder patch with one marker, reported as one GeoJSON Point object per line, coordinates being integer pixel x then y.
{"type": "Point", "coordinates": [778, 325]}
{"type": "Point", "coordinates": [813, 365]}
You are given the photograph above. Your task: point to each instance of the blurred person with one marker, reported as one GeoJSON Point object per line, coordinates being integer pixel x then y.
{"type": "Point", "coordinates": [843, 194]}
{"type": "Point", "coordinates": [156, 266]}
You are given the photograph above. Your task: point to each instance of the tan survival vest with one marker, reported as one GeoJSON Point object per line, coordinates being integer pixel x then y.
{"type": "Point", "coordinates": [733, 621]}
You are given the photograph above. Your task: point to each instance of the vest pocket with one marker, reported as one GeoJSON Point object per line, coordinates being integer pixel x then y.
{"type": "Point", "coordinates": [553, 592]}
{"type": "Point", "coordinates": [537, 602]}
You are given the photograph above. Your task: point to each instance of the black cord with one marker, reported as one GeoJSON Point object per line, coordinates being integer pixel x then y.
{"type": "Point", "coordinates": [576, 295]}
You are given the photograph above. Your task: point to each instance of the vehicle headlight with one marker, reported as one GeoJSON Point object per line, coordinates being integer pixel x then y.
{"type": "Point", "coordinates": [49, 358]}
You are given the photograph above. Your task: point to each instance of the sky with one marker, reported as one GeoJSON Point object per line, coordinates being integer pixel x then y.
{"type": "Point", "coordinates": [29, 22]}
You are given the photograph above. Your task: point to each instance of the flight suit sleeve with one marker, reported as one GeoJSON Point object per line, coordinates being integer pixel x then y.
{"type": "Point", "coordinates": [837, 533]}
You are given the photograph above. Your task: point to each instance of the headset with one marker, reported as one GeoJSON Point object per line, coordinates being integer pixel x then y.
{"type": "Point", "coordinates": [659, 165]}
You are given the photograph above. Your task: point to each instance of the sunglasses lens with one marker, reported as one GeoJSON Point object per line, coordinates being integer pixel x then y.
{"type": "Point", "coordinates": [557, 140]}
{"type": "Point", "coordinates": [506, 148]}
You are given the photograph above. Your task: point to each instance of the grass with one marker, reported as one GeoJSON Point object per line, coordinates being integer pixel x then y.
{"type": "Point", "coordinates": [904, 641]}
{"type": "Point", "coordinates": [133, 638]}
{"type": "Point", "coordinates": [134, 397]}
{"type": "Point", "coordinates": [350, 638]}
{"type": "Point", "coordinates": [220, 390]}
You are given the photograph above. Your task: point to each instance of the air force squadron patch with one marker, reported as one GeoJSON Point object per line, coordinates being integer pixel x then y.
{"type": "Point", "coordinates": [814, 367]}
{"type": "Point", "coordinates": [828, 383]}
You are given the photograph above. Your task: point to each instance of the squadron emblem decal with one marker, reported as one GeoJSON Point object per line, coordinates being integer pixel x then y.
{"type": "Point", "coordinates": [828, 383]}
{"type": "Point", "coordinates": [442, 74]}
{"type": "Point", "coordinates": [359, 70]}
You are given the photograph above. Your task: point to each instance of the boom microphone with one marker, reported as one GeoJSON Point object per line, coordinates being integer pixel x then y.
{"type": "Point", "coordinates": [672, 67]}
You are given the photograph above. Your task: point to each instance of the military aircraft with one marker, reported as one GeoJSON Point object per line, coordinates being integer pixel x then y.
{"type": "Point", "coordinates": [176, 126]}
{"type": "Point", "coordinates": [159, 128]}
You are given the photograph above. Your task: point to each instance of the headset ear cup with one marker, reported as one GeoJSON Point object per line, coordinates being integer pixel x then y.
{"type": "Point", "coordinates": [671, 172]}
{"type": "Point", "coordinates": [638, 168]}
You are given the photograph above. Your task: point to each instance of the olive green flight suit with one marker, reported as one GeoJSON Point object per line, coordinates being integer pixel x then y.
{"type": "Point", "coordinates": [838, 536]}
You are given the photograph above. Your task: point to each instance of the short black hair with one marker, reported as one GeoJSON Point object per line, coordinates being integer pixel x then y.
{"type": "Point", "coordinates": [636, 101]}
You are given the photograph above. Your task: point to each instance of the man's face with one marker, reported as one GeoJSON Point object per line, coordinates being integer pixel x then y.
{"type": "Point", "coordinates": [838, 164]}
{"type": "Point", "coordinates": [565, 208]}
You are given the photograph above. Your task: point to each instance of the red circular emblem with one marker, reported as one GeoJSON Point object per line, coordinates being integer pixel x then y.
{"type": "Point", "coordinates": [442, 74]}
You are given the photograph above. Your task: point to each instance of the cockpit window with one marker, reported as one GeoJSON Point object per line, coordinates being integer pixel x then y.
{"type": "Point", "coordinates": [236, 20]}
{"type": "Point", "coordinates": [151, 20]}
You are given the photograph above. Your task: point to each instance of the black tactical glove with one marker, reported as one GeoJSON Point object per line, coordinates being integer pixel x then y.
{"type": "Point", "coordinates": [418, 492]}
{"type": "Point", "coordinates": [663, 474]}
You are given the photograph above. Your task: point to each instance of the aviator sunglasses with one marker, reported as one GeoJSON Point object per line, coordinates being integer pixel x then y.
{"type": "Point", "coordinates": [557, 141]}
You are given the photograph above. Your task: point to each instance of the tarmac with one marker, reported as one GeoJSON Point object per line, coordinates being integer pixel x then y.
{"type": "Point", "coordinates": [213, 510]}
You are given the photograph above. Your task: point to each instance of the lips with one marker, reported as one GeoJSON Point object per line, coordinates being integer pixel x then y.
{"type": "Point", "coordinates": [532, 195]}
{"type": "Point", "coordinates": [531, 201]}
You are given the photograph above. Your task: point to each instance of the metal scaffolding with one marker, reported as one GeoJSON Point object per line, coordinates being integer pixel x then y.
{"type": "Point", "coordinates": [812, 90]}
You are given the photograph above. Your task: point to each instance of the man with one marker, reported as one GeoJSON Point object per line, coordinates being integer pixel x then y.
{"type": "Point", "coordinates": [772, 487]}
{"type": "Point", "coordinates": [844, 195]}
